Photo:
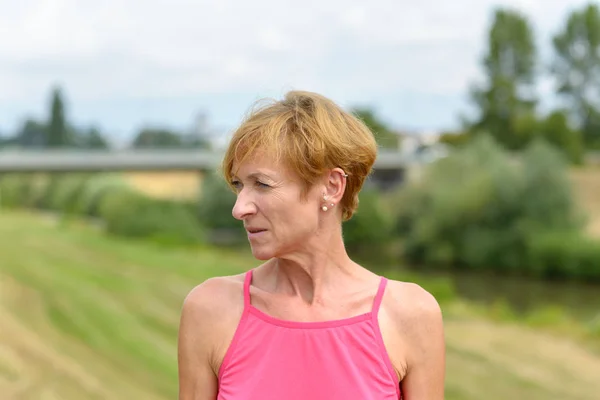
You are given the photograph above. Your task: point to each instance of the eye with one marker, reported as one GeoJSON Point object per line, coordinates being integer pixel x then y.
{"type": "Point", "coordinates": [236, 184]}
{"type": "Point", "coordinates": [262, 185]}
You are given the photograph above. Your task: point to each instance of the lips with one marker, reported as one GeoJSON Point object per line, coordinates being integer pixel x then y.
{"type": "Point", "coordinates": [255, 230]}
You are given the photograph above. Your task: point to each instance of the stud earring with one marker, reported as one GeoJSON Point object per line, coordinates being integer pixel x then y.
{"type": "Point", "coordinates": [324, 208]}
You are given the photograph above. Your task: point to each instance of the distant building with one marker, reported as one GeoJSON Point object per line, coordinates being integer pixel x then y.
{"type": "Point", "coordinates": [416, 149]}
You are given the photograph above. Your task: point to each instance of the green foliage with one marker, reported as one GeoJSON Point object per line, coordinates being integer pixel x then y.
{"type": "Point", "coordinates": [505, 102]}
{"type": "Point", "coordinates": [560, 255]}
{"type": "Point", "coordinates": [576, 68]}
{"type": "Point", "coordinates": [384, 135]}
{"type": "Point", "coordinates": [92, 138]}
{"type": "Point", "coordinates": [122, 210]}
{"type": "Point", "coordinates": [57, 127]}
{"type": "Point", "coordinates": [368, 232]}
{"type": "Point", "coordinates": [128, 213]}
{"type": "Point", "coordinates": [149, 138]}
{"type": "Point", "coordinates": [214, 210]}
{"type": "Point", "coordinates": [32, 134]}
{"type": "Point", "coordinates": [485, 208]}
{"type": "Point", "coordinates": [455, 139]}
{"type": "Point", "coordinates": [14, 190]}
{"type": "Point", "coordinates": [556, 130]}
{"type": "Point", "coordinates": [66, 193]}
{"type": "Point", "coordinates": [95, 188]}
{"type": "Point", "coordinates": [47, 192]}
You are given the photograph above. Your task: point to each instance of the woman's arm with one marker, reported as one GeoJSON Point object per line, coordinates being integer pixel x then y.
{"type": "Point", "coordinates": [419, 324]}
{"type": "Point", "coordinates": [197, 378]}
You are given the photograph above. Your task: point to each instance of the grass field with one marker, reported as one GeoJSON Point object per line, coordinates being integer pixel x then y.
{"type": "Point", "coordinates": [180, 185]}
{"type": "Point", "coordinates": [86, 316]}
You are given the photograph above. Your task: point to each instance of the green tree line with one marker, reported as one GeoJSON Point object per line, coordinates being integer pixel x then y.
{"type": "Point", "coordinates": [506, 103]}
{"type": "Point", "coordinates": [57, 132]}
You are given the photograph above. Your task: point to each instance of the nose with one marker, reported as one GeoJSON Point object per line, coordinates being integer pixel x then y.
{"type": "Point", "coordinates": [243, 207]}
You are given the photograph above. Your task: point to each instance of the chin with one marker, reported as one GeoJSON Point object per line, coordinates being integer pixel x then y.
{"type": "Point", "coordinates": [262, 254]}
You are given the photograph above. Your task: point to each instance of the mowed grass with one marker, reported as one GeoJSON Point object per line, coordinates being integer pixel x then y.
{"type": "Point", "coordinates": [87, 316]}
{"type": "Point", "coordinates": [177, 185]}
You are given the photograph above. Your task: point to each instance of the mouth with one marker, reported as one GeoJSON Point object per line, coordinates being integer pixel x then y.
{"type": "Point", "coordinates": [255, 230]}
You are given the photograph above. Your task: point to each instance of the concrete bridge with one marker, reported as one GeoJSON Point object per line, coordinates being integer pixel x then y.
{"type": "Point", "coordinates": [389, 170]}
{"type": "Point", "coordinates": [136, 160]}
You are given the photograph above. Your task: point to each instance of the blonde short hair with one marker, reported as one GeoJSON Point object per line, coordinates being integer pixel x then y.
{"type": "Point", "coordinates": [310, 134]}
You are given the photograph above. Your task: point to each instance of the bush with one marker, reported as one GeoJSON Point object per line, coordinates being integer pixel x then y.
{"type": "Point", "coordinates": [214, 211]}
{"type": "Point", "coordinates": [14, 190]}
{"type": "Point", "coordinates": [557, 255]}
{"type": "Point", "coordinates": [47, 190]}
{"type": "Point", "coordinates": [66, 193]}
{"type": "Point", "coordinates": [123, 211]}
{"type": "Point", "coordinates": [128, 213]}
{"type": "Point", "coordinates": [96, 187]}
{"type": "Point", "coordinates": [482, 207]}
{"type": "Point", "coordinates": [555, 129]}
{"type": "Point", "coordinates": [368, 232]}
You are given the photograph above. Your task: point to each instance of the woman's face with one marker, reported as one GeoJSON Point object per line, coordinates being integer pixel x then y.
{"type": "Point", "coordinates": [277, 219]}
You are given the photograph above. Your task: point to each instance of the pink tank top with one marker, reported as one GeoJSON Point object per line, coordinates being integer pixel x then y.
{"type": "Point", "coordinates": [275, 359]}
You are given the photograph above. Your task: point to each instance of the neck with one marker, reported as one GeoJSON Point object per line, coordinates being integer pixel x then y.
{"type": "Point", "coordinates": [318, 268]}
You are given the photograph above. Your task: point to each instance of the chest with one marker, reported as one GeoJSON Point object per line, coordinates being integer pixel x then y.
{"type": "Point", "coordinates": [275, 359]}
{"type": "Point", "coordinates": [290, 308]}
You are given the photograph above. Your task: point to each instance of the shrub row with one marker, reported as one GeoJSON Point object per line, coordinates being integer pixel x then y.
{"type": "Point", "coordinates": [479, 208]}
{"type": "Point", "coordinates": [126, 212]}
{"type": "Point", "coordinates": [105, 198]}
{"type": "Point", "coordinates": [485, 208]}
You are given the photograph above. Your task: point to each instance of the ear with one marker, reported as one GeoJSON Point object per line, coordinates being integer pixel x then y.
{"type": "Point", "coordinates": [334, 187]}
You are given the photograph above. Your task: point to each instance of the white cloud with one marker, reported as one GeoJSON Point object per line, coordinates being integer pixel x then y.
{"type": "Point", "coordinates": [112, 49]}
{"type": "Point", "coordinates": [354, 16]}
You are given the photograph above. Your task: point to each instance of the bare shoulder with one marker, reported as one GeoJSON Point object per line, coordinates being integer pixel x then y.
{"type": "Point", "coordinates": [416, 339]}
{"type": "Point", "coordinates": [405, 301]}
{"type": "Point", "coordinates": [211, 312]}
{"type": "Point", "coordinates": [413, 313]}
{"type": "Point", "coordinates": [209, 316]}
{"type": "Point", "coordinates": [214, 295]}
{"type": "Point", "coordinates": [214, 302]}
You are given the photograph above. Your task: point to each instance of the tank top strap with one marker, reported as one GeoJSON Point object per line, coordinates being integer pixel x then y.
{"type": "Point", "coordinates": [379, 295]}
{"type": "Point", "coordinates": [247, 282]}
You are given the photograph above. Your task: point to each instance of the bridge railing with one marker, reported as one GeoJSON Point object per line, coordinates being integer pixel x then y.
{"type": "Point", "coordinates": [123, 160]}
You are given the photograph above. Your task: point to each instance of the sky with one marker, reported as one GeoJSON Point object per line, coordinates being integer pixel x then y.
{"type": "Point", "coordinates": [123, 65]}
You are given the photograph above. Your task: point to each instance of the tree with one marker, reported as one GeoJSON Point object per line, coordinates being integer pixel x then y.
{"type": "Point", "coordinates": [92, 139]}
{"type": "Point", "coordinates": [576, 68]}
{"type": "Point", "coordinates": [57, 128]}
{"type": "Point", "coordinates": [555, 130]}
{"type": "Point", "coordinates": [506, 101]}
{"type": "Point", "coordinates": [157, 138]}
{"type": "Point", "coordinates": [32, 134]}
{"type": "Point", "coordinates": [384, 135]}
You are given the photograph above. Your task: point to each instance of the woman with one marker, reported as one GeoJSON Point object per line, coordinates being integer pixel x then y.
{"type": "Point", "coordinates": [308, 323]}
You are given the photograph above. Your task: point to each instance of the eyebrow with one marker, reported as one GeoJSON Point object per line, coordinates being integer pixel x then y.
{"type": "Point", "coordinates": [255, 175]}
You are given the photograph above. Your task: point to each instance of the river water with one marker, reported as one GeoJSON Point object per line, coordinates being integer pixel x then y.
{"type": "Point", "coordinates": [524, 295]}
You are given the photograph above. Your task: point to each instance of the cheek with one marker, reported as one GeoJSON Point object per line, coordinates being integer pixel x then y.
{"type": "Point", "coordinates": [302, 219]}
